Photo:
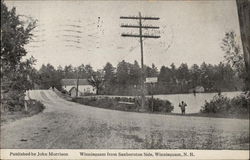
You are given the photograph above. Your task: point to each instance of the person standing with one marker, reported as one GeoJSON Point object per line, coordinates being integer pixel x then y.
{"type": "Point", "coordinates": [183, 105]}
{"type": "Point", "coordinates": [194, 92]}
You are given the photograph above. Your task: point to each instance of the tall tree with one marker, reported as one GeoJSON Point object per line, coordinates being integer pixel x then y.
{"type": "Point", "coordinates": [151, 71]}
{"type": "Point", "coordinates": [96, 80]}
{"type": "Point", "coordinates": [165, 74]}
{"type": "Point", "coordinates": [82, 72]}
{"type": "Point", "coordinates": [122, 73]}
{"type": "Point", "coordinates": [232, 50]}
{"type": "Point", "coordinates": [134, 73]}
{"type": "Point", "coordinates": [183, 72]}
{"type": "Point", "coordinates": [109, 78]}
{"type": "Point", "coordinates": [195, 75]}
{"type": "Point", "coordinates": [89, 70]}
{"type": "Point", "coordinates": [15, 34]}
{"type": "Point", "coordinates": [109, 74]}
{"type": "Point", "coordinates": [69, 72]}
{"type": "Point", "coordinates": [244, 19]}
{"type": "Point", "coordinates": [233, 55]}
{"type": "Point", "coordinates": [49, 77]}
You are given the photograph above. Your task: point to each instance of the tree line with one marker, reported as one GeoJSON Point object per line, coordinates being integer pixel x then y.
{"type": "Point", "coordinates": [19, 75]}
{"type": "Point", "coordinates": [125, 78]}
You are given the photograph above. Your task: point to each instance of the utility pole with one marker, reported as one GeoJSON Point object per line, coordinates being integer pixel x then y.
{"type": "Point", "coordinates": [77, 84]}
{"type": "Point", "coordinates": [140, 35]}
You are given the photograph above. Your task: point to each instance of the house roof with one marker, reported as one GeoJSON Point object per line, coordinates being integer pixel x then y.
{"type": "Point", "coordinates": [69, 82]}
{"type": "Point", "coordinates": [72, 89]}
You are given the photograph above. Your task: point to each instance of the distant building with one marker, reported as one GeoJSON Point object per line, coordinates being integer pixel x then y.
{"type": "Point", "coordinates": [84, 87]}
{"type": "Point", "coordinates": [197, 89]}
{"type": "Point", "coordinates": [73, 91]}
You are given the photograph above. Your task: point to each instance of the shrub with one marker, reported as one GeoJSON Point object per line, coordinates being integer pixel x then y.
{"type": "Point", "coordinates": [12, 101]}
{"type": "Point", "coordinates": [216, 105]}
{"type": "Point", "coordinates": [241, 104]}
{"type": "Point", "coordinates": [64, 91]}
{"type": "Point", "coordinates": [35, 107]}
{"type": "Point", "coordinates": [160, 105]}
{"type": "Point", "coordinates": [133, 105]}
{"type": "Point", "coordinates": [221, 104]}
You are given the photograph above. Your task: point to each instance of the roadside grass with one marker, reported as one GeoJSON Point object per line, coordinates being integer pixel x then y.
{"type": "Point", "coordinates": [138, 137]}
{"type": "Point", "coordinates": [34, 107]}
{"type": "Point", "coordinates": [220, 115]}
{"type": "Point", "coordinates": [211, 139]}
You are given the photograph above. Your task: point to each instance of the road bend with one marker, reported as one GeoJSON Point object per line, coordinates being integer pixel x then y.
{"type": "Point", "coordinates": [68, 125]}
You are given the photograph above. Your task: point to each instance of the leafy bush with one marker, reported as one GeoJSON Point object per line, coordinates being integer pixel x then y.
{"type": "Point", "coordinates": [216, 105]}
{"type": "Point", "coordinates": [64, 91]}
{"type": "Point", "coordinates": [241, 104]}
{"type": "Point", "coordinates": [160, 105]}
{"type": "Point", "coordinates": [119, 103]}
{"type": "Point", "coordinates": [221, 104]}
{"type": "Point", "coordinates": [106, 102]}
{"type": "Point", "coordinates": [12, 101]}
{"type": "Point", "coordinates": [35, 107]}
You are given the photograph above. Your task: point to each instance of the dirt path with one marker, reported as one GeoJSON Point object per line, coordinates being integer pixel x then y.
{"type": "Point", "coordinates": [69, 125]}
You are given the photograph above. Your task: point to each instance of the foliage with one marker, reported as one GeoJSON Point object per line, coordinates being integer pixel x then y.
{"type": "Point", "coordinates": [96, 80]}
{"type": "Point", "coordinates": [160, 105]}
{"type": "Point", "coordinates": [49, 77]}
{"type": "Point", "coordinates": [234, 56]}
{"type": "Point", "coordinates": [125, 78]}
{"type": "Point", "coordinates": [232, 50]}
{"type": "Point", "coordinates": [235, 106]}
{"type": "Point", "coordinates": [119, 103]}
{"type": "Point", "coordinates": [15, 71]}
{"type": "Point", "coordinates": [34, 107]}
{"type": "Point", "coordinates": [105, 102]}
{"type": "Point", "coordinates": [217, 105]}
{"type": "Point", "coordinates": [15, 34]}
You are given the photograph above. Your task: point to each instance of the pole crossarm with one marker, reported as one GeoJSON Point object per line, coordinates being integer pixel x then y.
{"type": "Point", "coordinates": [145, 18]}
{"type": "Point", "coordinates": [140, 35]}
{"type": "Point", "coordinates": [134, 26]}
{"type": "Point", "coordinates": [143, 36]}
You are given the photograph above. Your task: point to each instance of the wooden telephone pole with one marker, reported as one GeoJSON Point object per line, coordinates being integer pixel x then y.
{"type": "Point", "coordinates": [140, 35]}
{"type": "Point", "coordinates": [77, 84]}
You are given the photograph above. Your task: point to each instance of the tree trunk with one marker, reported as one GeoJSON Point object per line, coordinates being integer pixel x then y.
{"type": "Point", "coordinates": [97, 90]}
{"type": "Point", "coordinates": [244, 20]}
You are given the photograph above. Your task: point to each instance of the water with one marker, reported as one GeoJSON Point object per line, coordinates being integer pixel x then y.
{"type": "Point", "coordinates": [194, 103]}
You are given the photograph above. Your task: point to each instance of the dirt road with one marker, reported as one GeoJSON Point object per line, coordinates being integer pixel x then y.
{"type": "Point", "coordinates": [65, 124]}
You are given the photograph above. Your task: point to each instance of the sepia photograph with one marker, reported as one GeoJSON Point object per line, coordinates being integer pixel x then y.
{"type": "Point", "coordinates": [153, 75]}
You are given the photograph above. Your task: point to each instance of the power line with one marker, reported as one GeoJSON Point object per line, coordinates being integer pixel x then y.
{"type": "Point", "coordinates": [140, 35]}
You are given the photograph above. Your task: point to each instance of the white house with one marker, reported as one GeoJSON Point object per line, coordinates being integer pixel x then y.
{"type": "Point", "coordinates": [83, 86]}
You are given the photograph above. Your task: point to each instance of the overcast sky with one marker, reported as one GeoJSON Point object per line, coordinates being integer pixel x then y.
{"type": "Point", "coordinates": [89, 32]}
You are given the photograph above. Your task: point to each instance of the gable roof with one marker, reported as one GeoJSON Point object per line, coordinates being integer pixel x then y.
{"type": "Point", "coordinates": [70, 82]}
{"type": "Point", "coordinates": [72, 89]}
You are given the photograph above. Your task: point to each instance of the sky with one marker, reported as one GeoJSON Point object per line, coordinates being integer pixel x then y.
{"type": "Point", "coordinates": [88, 32]}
